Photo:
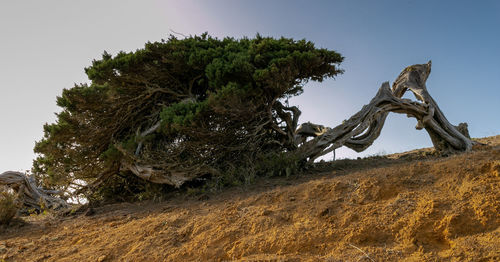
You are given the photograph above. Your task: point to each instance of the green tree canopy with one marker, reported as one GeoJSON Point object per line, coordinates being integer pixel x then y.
{"type": "Point", "coordinates": [180, 109]}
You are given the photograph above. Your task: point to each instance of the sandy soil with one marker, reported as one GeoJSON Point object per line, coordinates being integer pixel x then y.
{"type": "Point", "coordinates": [408, 207]}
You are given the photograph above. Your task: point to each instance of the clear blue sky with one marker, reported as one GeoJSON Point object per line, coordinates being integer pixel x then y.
{"type": "Point", "coordinates": [46, 44]}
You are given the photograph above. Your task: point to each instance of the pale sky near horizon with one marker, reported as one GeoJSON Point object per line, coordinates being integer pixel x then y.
{"type": "Point", "coordinates": [45, 46]}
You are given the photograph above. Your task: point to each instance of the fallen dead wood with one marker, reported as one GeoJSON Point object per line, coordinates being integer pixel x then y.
{"type": "Point", "coordinates": [29, 195]}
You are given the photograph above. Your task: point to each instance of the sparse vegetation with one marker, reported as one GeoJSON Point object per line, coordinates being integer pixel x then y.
{"type": "Point", "coordinates": [8, 207]}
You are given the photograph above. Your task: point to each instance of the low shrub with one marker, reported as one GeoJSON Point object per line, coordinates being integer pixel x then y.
{"type": "Point", "coordinates": [8, 207]}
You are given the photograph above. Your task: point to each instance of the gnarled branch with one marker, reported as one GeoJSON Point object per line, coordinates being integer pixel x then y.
{"type": "Point", "coordinates": [31, 196]}
{"type": "Point", "coordinates": [361, 130]}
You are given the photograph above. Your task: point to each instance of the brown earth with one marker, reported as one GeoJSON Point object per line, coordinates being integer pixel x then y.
{"type": "Point", "coordinates": [410, 207]}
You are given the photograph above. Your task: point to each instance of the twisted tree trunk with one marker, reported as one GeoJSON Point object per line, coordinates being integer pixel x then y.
{"type": "Point", "coordinates": [29, 195]}
{"type": "Point", "coordinates": [357, 133]}
{"type": "Point", "coordinates": [361, 130]}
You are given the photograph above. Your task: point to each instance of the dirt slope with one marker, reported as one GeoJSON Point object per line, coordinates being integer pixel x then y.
{"type": "Point", "coordinates": [412, 208]}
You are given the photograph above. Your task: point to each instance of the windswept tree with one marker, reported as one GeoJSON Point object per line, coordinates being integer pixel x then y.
{"type": "Point", "coordinates": [200, 107]}
{"type": "Point", "coordinates": [180, 109]}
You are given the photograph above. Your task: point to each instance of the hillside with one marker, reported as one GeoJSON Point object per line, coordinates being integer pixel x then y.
{"type": "Point", "coordinates": [411, 206]}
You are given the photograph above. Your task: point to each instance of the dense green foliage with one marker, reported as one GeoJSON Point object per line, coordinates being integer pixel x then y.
{"type": "Point", "coordinates": [186, 108]}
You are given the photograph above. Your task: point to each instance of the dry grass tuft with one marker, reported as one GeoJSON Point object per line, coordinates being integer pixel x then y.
{"type": "Point", "coordinates": [8, 207]}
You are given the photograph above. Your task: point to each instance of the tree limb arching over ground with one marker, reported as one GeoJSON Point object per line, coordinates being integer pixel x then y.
{"type": "Point", "coordinates": [361, 130]}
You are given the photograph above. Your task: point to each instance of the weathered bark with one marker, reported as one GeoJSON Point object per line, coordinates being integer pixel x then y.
{"type": "Point", "coordinates": [175, 176]}
{"type": "Point", "coordinates": [29, 195]}
{"type": "Point", "coordinates": [361, 130]}
{"type": "Point", "coordinates": [290, 116]}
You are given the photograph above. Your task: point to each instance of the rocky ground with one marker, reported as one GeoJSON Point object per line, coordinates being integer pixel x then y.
{"type": "Point", "coordinates": [405, 207]}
